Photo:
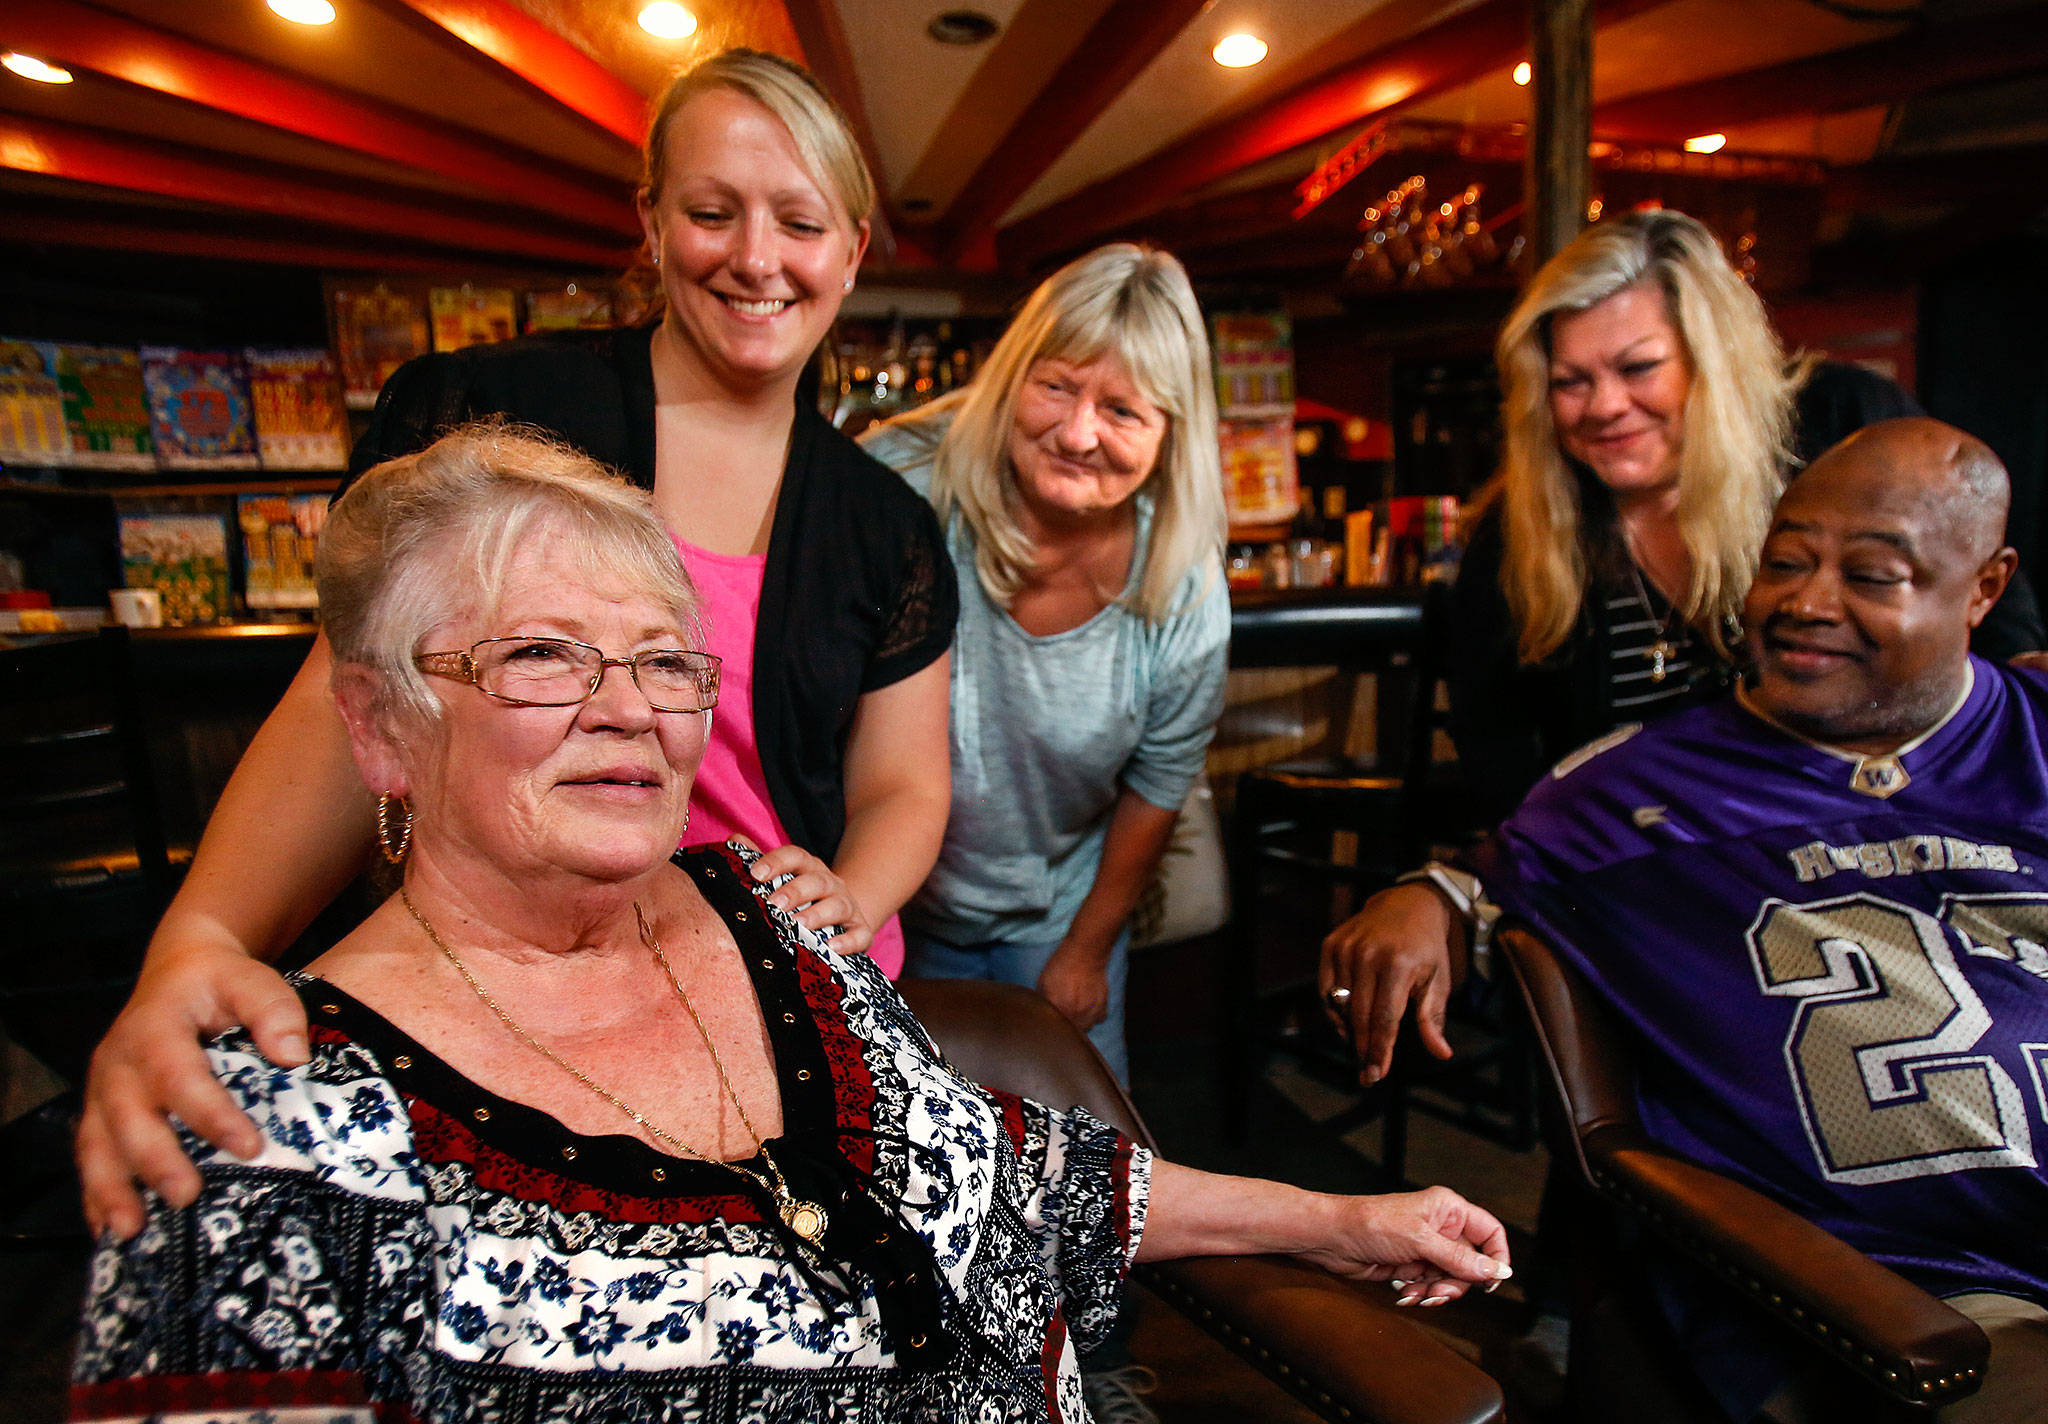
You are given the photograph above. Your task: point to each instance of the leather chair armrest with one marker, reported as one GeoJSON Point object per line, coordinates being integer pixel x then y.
{"type": "Point", "coordinates": [1909, 1344]}
{"type": "Point", "coordinates": [1339, 1349]}
{"type": "Point", "coordinates": [1326, 1342]}
{"type": "Point", "coordinates": [1014, 1039]}
{"type": "Point", "coordinates": [1580, 1042]}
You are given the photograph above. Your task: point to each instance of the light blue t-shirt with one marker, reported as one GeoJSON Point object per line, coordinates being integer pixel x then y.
{"type": "Point", "coordinates": [1047, 731]}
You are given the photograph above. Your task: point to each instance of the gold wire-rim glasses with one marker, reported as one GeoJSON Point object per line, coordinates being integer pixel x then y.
{"type": "Point", "coordinates": [468, 666]}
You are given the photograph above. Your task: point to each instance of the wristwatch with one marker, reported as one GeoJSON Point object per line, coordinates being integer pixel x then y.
{"type": "Point", "coordinates": [1468, 898]}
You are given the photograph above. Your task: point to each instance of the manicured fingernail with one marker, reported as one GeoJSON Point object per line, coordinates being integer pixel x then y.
{"type": "Point", "coordinates": [1398, 1285]}
{"type": "Point", "coordinates": [1501, 1271]}
{"type": "Point", "coordinates": [1406, 1300]}
{"type": "Point", "coordinates": [1369, 1075]}
{"type": "Point", "coordinates": [1437, 1300]}
{"type": "Point", "coordinates": [1490, 1287]}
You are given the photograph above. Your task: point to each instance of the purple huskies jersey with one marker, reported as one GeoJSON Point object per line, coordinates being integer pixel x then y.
{"type": "Point", "coordinates": [1838, 966]}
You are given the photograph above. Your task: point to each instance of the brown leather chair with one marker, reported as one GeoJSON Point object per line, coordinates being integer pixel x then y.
{"type": "Point", "coordinates": [1887, 1347]}
{"type": "Point", "coordinates": [1344, 1353]}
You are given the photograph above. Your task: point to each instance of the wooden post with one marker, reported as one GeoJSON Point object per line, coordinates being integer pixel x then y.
{"type": "Point", "coordinates": [1558, 177]}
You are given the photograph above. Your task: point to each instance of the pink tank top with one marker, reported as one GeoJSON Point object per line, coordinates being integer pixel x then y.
{"type": "Point", "coordinates": [731, 793]}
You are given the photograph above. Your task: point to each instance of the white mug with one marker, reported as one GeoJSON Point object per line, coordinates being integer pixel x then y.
{"type": "Point", "coordinates": [137, 607]}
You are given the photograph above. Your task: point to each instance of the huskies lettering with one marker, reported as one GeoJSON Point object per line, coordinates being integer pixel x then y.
{"type": "Point", "coordinates": [1906, 855]}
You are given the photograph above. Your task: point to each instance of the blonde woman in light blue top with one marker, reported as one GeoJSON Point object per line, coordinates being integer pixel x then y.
{"type": "Point", "coordinates": [1079, 485]}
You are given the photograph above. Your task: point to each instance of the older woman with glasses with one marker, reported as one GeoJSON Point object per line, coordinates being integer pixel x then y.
{"type": "Point", "coordinates": [825, 586]}
{"type": "Point", "coordinates": [593, 1128]}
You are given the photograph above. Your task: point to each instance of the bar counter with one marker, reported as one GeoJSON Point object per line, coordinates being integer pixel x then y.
{"type": "Point", "coordinates": [1334, 626]}
{"type": "Point", "coordinates": [204, 690]}
{"type": "Point", "coordinates": [1308, 677]}
{"type": "Point", "coordinates": [1268, 627]}
{"type": "Point", "coordinates": [1315, 673]}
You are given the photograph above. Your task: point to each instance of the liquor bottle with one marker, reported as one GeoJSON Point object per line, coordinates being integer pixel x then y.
{"type": "Point", "coordinates": [1309, 554]}
{"type": "Point", "coordinates": [1333, 532]}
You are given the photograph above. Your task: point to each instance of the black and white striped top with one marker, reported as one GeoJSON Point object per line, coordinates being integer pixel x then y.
{"type": "Point", "coordinates": [1634, 690]}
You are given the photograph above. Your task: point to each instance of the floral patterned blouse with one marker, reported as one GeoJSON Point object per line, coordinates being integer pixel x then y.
{"type": "Point", "coordinates": [411, 1247]}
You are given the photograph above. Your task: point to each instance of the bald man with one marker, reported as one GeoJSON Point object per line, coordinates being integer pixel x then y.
{"type": "Point", "coordinates": [1823, 904]}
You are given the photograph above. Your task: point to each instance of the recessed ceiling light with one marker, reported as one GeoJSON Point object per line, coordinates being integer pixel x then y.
{"type": "Point", "coordinates": [667, 20]}
{"type": "Point", "coordinates": [1706, 143]}
{"type": "Point", "coordinates": [29, 67]}
{"type": "Point", "coordinates": [304, 12]}
{"type": "Point", "coordinates": [961, 27]}
{"type": "Point", "coordinates": [1239, 51]}
{"type": "Point", "coordinates": [1522, 72]}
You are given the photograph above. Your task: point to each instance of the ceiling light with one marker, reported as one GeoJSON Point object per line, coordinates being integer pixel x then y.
{"type": "Point", "coordinates": [1238, 51]}
{"type": "Point", "coordinates": [667, 20]}
{"type": "Point", "coordinates": [961, 27]}
{"type": "Point", "coordinates": [1522, 72]}
{"type": "Point", "coordinates": [304, 12]}
{"type": "Point", "coordinates": [29, 67]}
{"type": "Point", "coordinates": [1706, 143]}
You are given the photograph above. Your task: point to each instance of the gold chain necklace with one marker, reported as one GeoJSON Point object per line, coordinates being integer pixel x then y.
{"type": "Point", "coordinates": [806, 1218]}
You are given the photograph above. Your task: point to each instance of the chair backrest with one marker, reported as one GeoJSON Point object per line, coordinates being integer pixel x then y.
{"type": "Point", "coordinates": [78, 799]}
{"type": "Point", "coordinates": [1011, 1039]}
{"type": "Point", "coordinates": [1589, 1060]}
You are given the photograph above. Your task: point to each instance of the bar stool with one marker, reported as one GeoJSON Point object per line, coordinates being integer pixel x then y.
{"type": "Point", "coordinates": [1395, 814]}
{"type": "Point", "coordinates": [84, 867]}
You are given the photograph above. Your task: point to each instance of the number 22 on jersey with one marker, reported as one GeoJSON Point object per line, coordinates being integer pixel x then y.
{"type": "Point", "coordinates": [1880, 1046]}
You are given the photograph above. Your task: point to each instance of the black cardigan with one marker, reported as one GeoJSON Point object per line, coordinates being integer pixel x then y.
{"type": "Point", "coordinates": [856, 561]}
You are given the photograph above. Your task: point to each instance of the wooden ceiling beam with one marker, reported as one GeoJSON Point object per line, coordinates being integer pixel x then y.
{"type": "Point", "coordinates": [1249, 213]}
{"type": "Point", "coordinates": [1129, 35]}
{"type": "Point", "coordinates": [174, 234]}
{"type": "Point", "coordinates": [1473, 42]}
{"type": "Point", "coordinates": [1965, 181]}
{"type": "Point", "coordinates": [529, 51]}
{"type": "Point", "coordinates": [830, 60]}
{"type": "Point", "coordinates": [1886, 71]}
{"type": "Point", "coordinates": [164, 63]}
{"type": "Point", "coordinates": [106, 160]}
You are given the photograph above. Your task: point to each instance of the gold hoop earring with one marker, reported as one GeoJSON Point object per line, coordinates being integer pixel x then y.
{"type": "Point", "coordinates": [390, 831]}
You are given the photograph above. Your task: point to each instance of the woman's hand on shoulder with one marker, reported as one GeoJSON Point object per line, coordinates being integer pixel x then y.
{"type": "Point", "coordinates": [1431, 1245]}
{"type": "Point", "coordinates": [817, 898]}
{"type": "Point", "coordinates": [150, 1066]}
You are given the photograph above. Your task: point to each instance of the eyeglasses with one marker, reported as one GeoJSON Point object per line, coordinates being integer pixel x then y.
{"type": "Point", "coordinates": [560, 672]}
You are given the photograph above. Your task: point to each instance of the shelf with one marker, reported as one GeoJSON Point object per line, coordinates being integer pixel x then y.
{"type": "Point", "coordinates": [281, 482]}
{"type": "Point", "coordinates": [292, 484]}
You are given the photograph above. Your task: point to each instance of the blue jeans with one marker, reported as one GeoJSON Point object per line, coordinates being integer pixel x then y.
{"type": "Point", "coordinates": [1010, 962]}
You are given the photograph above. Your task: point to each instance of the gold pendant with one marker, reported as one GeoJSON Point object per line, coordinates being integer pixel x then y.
{"type": "Point", "coordinates": [806, 1219]}
{"type": "Point", "coordinates": [1659, 651]}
